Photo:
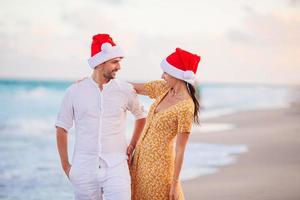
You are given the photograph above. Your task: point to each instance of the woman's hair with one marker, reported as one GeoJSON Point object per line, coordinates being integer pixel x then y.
{"type": "Point", "coordinates": [192, 92]}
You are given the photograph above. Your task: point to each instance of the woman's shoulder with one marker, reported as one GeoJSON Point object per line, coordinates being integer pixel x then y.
{"type": "Point", "coordinates": [157, 84]}
{"type": "Point", "coordinates": [186, 104]}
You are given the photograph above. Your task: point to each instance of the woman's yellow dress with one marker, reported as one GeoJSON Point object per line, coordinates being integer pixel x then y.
{"type": "Point", "coordinates": [153, 163]}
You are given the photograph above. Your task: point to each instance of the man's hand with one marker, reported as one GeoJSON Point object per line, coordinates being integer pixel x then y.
{"type": "Point", "coordinates": [129, 152]}
{"type": "Point", "coordinates": [66, 168]}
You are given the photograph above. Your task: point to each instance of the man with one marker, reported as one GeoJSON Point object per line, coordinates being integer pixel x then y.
{"type": "Point", "coordinates": [98, 106]}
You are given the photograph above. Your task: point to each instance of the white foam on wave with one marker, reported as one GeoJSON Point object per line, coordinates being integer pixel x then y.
{"type": "Point", "coordinates": [208, 114]}
{"type": "Point", "coordinates": [203, 159]}
{"type": "Point", "coordinates": [189, 173]}
{"type": "Point", "coordinates": [214, 113]}
{"type": "Point", "coordinates": [224, 100]}
{"type": "Point", "coordinates": [30, 126]}
{"type": "Point", "coordinates": [39, 93]}
{"type": "Point", "coordinates": [213, 127]}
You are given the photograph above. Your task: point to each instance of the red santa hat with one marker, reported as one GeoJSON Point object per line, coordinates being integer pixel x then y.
{"type": "Point", "coordinates": [182, 65]}
{"type": "Point", "coordinates": [103, 49]}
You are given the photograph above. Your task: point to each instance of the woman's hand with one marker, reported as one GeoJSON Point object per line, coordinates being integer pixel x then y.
{"type": "Point", "coordinates": [129, 152]}
{"type": "Point", "coordinates": [78, 81]}
{"type": "Point", "coordinates": [174, 191]}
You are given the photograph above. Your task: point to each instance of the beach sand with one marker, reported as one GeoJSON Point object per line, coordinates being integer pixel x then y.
{"type": "Point", "coordinates": [270, 170]}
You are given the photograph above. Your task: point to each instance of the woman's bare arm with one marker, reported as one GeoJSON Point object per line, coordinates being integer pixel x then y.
{"type": "Point", "coordinates": [181, 142]}
{"type": "Point", "coordinates": [139, 88]}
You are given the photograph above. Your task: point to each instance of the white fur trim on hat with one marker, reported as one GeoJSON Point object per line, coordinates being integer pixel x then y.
{"type": "Point", "coordinates": [107, 52]}
{"type": "Point", "coordinates": [187, 76]}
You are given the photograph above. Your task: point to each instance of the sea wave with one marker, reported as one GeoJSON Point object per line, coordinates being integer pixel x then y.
{"type": "Point", "coordinates": [203, 158]}
{"type": "Point", "coordinates": [28, 126]}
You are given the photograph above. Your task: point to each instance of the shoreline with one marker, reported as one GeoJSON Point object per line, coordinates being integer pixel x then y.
{"type": "Point", "coordinates": [271, 167]}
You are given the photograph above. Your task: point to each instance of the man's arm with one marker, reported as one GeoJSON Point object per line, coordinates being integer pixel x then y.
{"type": "Point", "coordinates": [62, 146]}
{"type": "Point", "coordinates": [63, 123]}
{"type": "Point", "coordinates": [139, 126]}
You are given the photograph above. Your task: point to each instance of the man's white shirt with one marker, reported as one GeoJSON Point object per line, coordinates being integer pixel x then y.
{"type": "Point", "coordinates": [99, 118]}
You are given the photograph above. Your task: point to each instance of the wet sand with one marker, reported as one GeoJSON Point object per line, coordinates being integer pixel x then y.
{"type": "Point", "coordinates": [270, 170]}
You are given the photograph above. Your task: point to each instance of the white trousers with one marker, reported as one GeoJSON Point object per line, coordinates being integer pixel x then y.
{"type": "Point", "coordinates": [103, 183]}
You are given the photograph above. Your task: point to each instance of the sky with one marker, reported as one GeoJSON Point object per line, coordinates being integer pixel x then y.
{"type": "Point", "coordinates": [239, 41]}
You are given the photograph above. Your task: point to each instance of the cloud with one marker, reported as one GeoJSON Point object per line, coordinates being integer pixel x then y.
{"type": "Point", "coordinates": [113, 2]}
{"type": "Point", "coordinates": [237, 43]}
{"type": "Point", "coordinates": [294, 2]}
{"type": "Point", "coordinates": [265, 46]}
{"type": "Point", "coordinates": [267, 29]}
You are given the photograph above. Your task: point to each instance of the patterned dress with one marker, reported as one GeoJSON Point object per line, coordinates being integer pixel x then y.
{"type": "Point", "coordinates": [154, 158]}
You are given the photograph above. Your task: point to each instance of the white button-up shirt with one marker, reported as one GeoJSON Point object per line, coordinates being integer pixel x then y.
{"type": "Point", "coordinates": [99, 118]}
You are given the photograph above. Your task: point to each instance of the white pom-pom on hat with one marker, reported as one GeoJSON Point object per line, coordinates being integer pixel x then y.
{"type": "Point", "coordinates": [106, 47]}
{"type": "Point", "coordinates": [188, 74]}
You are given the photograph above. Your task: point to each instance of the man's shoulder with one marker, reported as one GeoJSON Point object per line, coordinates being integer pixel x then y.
{"type": "Point", "coordinates": [78, 86]}
{"type": "Point", "coordinates": [82, 84]}
{"type": "Point", "coordinates": [124, 86]}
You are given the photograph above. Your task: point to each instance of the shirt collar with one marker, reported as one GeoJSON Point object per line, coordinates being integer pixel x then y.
{"type": "Point", "coordinates": [104, 85]}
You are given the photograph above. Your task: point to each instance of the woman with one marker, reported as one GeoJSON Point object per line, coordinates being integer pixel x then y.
{"type": "Point", "coordinates": [155, 167]}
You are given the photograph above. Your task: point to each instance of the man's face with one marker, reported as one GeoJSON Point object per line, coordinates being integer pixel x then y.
{"type": "Point", "coordinates": [110, 68]}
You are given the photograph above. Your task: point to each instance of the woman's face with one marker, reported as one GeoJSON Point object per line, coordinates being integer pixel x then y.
{"type": "Point", "coordinates": [171, 81]}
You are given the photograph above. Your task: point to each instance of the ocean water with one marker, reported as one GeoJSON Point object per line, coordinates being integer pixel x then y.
{"type": "Point", "coordinates": [29, 162]}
